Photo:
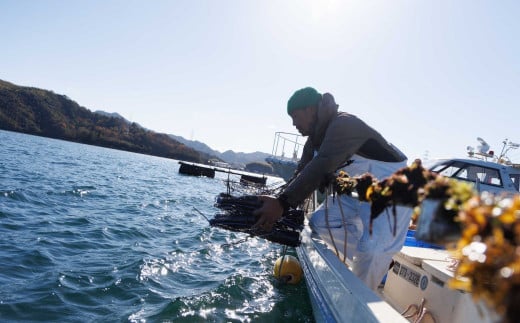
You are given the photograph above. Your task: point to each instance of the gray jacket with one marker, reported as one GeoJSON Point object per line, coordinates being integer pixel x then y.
{"type": "Point", "coordinates": [336, 137]}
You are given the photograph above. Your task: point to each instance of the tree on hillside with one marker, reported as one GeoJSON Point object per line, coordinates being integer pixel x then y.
{"type": "Point", "coordinates": [44, 113]}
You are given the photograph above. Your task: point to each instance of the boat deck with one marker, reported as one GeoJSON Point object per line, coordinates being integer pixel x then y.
{"type": "Point", "coordinates": [337, 295]}
{"type": "Point", "coordinates": [416, 285]}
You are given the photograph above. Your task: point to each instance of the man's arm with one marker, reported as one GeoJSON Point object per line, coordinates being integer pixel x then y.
{"type": "Point", "coordinates": [342, 140]}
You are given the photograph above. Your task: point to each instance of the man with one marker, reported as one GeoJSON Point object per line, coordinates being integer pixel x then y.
{"type": "Point", "coordinates": [338, 140]}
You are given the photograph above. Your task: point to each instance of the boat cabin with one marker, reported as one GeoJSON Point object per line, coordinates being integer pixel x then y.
{"type": "Point", "coordinates": [487, 176]}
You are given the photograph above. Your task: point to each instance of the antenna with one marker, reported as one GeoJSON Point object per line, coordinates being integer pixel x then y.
{"type": "Point", "coordinates": [508, 145]}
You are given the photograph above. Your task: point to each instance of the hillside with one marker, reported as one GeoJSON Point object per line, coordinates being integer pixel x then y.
{"type": "Point", "coordinates": [45, 113]}
{"type": "Point", "coordinates": [237, 159]}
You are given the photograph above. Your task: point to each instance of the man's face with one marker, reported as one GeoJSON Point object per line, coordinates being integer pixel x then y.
{"type": "Point", "coordinates": [303, 120]}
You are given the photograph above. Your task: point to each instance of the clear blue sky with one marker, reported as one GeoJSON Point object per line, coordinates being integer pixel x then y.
{"type": "Point", "coordinates": [431, 76]}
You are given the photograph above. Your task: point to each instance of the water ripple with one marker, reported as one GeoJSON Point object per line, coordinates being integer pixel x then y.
{"type": "Point", "coordinates": [89, 234]}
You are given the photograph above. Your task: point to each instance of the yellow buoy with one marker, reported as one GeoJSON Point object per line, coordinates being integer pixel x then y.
{"type": "Point", "coordinates": [289, 270]}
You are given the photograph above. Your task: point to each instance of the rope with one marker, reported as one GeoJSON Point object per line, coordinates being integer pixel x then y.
{"type": "Point", "coordinates": [205, 217]}
{"type": "Point", "coordinates": [225, 245]}
{"type": "Point", "coordinates": [283, 279]}
{"type": "Point", "coordinates": [344, 224]}
{"type": "Point", "coordinates": [394, 216]}
{"type": "Point", "coordinates": [328, 224]}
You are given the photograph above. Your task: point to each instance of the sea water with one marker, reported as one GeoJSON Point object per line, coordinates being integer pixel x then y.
{"type": "Point", "coordinates": [90, 234]}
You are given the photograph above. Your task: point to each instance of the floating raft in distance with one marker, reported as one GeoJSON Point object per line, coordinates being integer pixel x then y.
{"type": "Point", "coordinates": [208, 171]}
{"type": "Point", "coordinates": [196, 170]}
{"type": "Point", "coordinates": [253, 179]}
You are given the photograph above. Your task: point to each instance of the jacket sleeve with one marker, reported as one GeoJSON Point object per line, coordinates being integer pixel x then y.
{"type": "Point", "coordinates": [343, 138]}
{"type": "Point", "coordinates": [307, 155]}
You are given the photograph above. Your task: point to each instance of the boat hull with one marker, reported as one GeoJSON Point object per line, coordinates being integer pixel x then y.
{"type": "Point", "coordinates": [337, 295]}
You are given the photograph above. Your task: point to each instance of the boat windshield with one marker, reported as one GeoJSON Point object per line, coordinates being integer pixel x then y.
{"type": "Point", "coordinates": [515, 178]}
{"type": "Point", "coordinates": [469, 172]}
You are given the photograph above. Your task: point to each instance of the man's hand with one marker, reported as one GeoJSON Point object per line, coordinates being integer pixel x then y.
{"type": "Point", "coordinates": [270, 212]}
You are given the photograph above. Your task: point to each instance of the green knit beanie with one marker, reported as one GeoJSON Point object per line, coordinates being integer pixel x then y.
{"type": "Point", "coordinates": [303, 98]}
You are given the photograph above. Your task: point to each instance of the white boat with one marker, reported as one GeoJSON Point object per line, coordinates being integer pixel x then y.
{"type": "Point", "coordinates": [415, 288]}
{"type": "Point", "coordinates": [287, 149]}
{"type": "Point", "coordinates": [490, 173]}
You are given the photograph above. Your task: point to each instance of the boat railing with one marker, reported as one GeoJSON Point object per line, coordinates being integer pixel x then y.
{"type": "Point", "coordinates": [287, 146]}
